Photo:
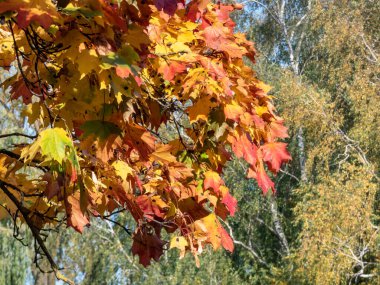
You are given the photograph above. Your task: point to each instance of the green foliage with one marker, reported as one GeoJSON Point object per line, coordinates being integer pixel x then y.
{"type": "Point", "coordinates": [14, 262]}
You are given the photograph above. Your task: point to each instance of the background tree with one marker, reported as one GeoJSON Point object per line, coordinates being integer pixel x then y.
{"type": "Point", "coordinates": [327, 91]}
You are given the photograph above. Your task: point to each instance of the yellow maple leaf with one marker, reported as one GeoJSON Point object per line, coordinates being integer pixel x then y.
{"type": "Point", "coordinates": [122, 169]}
{"type": "Point", "coordinates": [261, 85]}
{"type": "Point", "coordinates": [87, 61]}
{"type": "Point", "coordinates": [3, 167]}
{"type": "Point", "coordinates": [180, 243]}
{"type": "Point", "coordinates": [162, 153]}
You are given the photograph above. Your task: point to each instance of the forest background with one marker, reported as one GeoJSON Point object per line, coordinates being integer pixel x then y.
{"type": "Point", "coordinates": [322, 59]}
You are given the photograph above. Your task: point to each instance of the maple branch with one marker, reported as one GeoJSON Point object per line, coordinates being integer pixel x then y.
{"type": "Point", "coordinates": [18, 134]}
{"type": "Point", "coordinates": [201, 72]}
{"type": "Point", "coordinates": [118, 224]}
{"type": "Point", "coordinates": [16, 229]}
{"type": "Point", "coordinates": [17, 156]}
{"type": "Point", "coordinates": [23, 194]}
{"type": "Point", "coordinates": [38, 53]}
{"type": "Point", "coordinates": [179, 133]}
{"type": "Point", "coordinates": [18, 54]}
{"type": "Point", "coordinates": [35, 232]}
{"type": "Point", "coordinates": [114, 213]}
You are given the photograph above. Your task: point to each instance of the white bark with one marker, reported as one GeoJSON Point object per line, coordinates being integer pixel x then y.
{"type": "Point", "coordinates": [302, 157]}
{"type": "Point", "coordinates": [278, 226]}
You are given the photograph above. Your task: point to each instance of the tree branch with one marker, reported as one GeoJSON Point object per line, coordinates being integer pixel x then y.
{"type": "Point", "coordinates": [17, 156]}
{"type": "Point", "coordinates": [289, 174]}
{"type": "Point", "coordinates": [277, 225]}
{"type": "Point", "coordinates": [118, 224]}
{"type": "Point", "coordinates": [35, 232]}
{"type": "Point", "coordinates": [19, 190]}
{"type": "Point", "coordinates": [369, 48]}
{"type": "Point", "coordinates": [250, 249]}
{"type": "Point", "coordinates": [17, 134]}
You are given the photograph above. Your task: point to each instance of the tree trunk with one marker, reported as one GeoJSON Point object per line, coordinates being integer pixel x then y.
{"type": "Point", "coordinates": [278, 226]}
{"type": "Point", "coordinates": [302, 157]}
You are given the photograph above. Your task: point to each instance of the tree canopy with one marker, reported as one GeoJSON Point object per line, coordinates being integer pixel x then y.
{"type": "Point", "coordinates": [137, 107]}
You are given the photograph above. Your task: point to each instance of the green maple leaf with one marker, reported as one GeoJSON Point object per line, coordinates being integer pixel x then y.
{"type": "Point", "coordinates": [100, 129]}
{"type": "Point", "coordinates": [124, 58]}
{"type": "Point", "coordinates": [70, 9]}
{"type": "Point", "coordinates": [55, 144]}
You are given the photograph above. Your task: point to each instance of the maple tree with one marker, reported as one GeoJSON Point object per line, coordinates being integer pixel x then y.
{"type": "Point", "coordinates": [102, 81]}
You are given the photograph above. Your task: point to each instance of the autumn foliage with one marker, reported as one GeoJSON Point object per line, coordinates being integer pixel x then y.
{"type": "Point", "coordinates": [103, 82]}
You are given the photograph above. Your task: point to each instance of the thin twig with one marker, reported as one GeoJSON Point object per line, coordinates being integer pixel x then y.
{"type": "Point", "coordinates": [118, 224]}
{"type": "Point", "coordinates": [17, 134]}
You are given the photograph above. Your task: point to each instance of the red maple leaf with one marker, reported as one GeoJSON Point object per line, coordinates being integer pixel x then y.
{"type": "Point", "coordinates": [19, 89]}
{"type": "Point", "coordinates": [213, 181]}
{"type": "Point", "coordinates": [140, 139]}
{"type": "Point", "coordinates": [147, 244]}
{"type": "Point", "coordinates": [230, 202]}
{"type": "Point", "coordinates": [262, 178]}
{"type": "Point", "coordinates": [168, 6]}
{"type": "Point", "coordinates": [226, 239]}
{"type": "Point", "coordinates": [123, 72]}
{"type": "Point", "coordinates": [278, 130]}
{"type": "Point", "coordinates": [75, 217]}
{"type": "Point", "coordinates": [149, 208]}
{"type": "Point", "coordinates": [274, 154]}
{"type": "Point", "coordinates": [244, 148]}
{"type": "Point", "coordinates": [171, 70]}
{"type": "Point", "coordinates": [26, 16]}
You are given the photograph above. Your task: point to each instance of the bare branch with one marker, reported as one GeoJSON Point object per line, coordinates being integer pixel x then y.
{"type": "Point", "coordinates": [289, 174]}
{"type": "Point", "coordinates": [118, 224]}
{"type": "Point", "coordinates": [17, 134]}
{"type": "Point", "coordinates": [250, 249]}
{"type": "Point", "coordinates": [370, 49]}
